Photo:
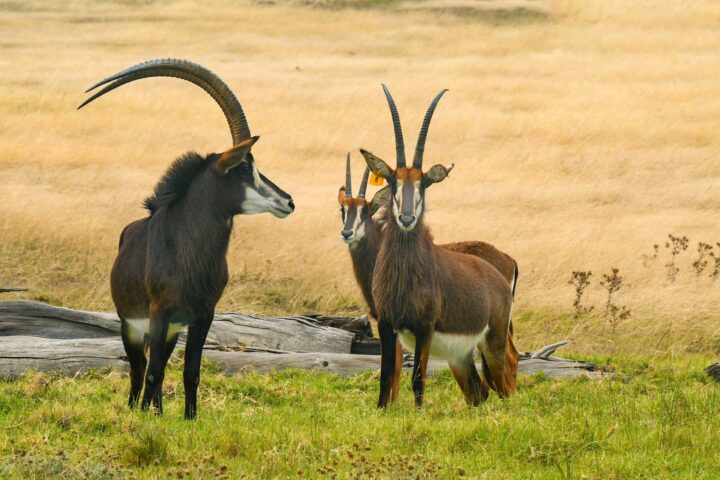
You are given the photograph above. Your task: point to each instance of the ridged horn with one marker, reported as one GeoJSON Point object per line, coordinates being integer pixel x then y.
{"type": "Point", "coordinates": [420, 148]}
{"type": "Point", "coordinates": [364, 182]}
{"type": "Point", "coordinates": [399, 142]}
{"type": "Point", "coordinates": [348, 177]}
{"type": "Point", "coordinates": [186, 70]}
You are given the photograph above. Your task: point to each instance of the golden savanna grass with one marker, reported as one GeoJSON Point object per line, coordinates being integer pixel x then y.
{"type": "Point", "coordinates": [583, 132]}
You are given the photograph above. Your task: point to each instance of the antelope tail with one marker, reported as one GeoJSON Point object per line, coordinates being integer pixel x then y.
{"type": "Point", "coordinates": [513, 286]}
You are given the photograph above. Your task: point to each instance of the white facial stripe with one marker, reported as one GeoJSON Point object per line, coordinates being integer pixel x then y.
{"type": "Point", "coordinates": [359, 226]}
{"type": "Point", "coordinates": [254, 202]}
{"type": "Point", "coordinates": [260, 197]}
{"type": "Point", "coordinates": [398, 198]}
{"type": "Point", "coordinates": [418, 200]}
{"type": "Point", "coordinates": [256, 176]}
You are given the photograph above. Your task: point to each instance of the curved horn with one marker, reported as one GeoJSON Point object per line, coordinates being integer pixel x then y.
{"type": "Point", "coordinates": [364, 182]}
{"type": "Point", "coordinates": [348, 182]}
{"type": "Point", "coordinates": [399, 142]}
{"type": "Point", "coordinates": [192, 72]}
{"type": "Point", "coordinates": [420, 148]}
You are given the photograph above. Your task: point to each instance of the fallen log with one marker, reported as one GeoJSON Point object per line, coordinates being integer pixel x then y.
{"type": "Point", "coordinates": [19, 354]}
{"type": "Point", "coordinates": [37, 336]}
{"type": "Point", "coordinates": [6, 289]}
{"type": "Point", "coordinates": [22, 353]}
{"type": "Point", "coordinates": [360, 326]}
{"type": "Point", "coordinates": [346, 365]}
{"type": "Point", "coordinates": [295, 334]}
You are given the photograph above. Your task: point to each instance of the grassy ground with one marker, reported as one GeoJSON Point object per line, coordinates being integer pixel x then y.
{"type": "Point", "coordinates": [649, 421]}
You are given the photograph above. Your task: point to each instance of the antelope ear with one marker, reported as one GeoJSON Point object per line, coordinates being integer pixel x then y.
{"type": "Point", "coordinates": [377, 165]}
{"type": "Point", "coordinates": [233, 157]}
{"type": "Point", "coordinates": [381, 199]}
{"type": "Point", "coordinates": [341, 195]}
{"type": "Point", "coordinates": [437, 174]}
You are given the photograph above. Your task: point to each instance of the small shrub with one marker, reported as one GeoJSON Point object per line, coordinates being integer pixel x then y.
{"type": "Point", "coordinates": [675, 245]}
{"type": "Point", "coordinates": [614, 314]}
{"type": "Point", "coordinates": [580, 280]}
{"type": "Point", "coordinates": [715, 255]}
{"type": "Point", "coordinates": [704, 250]}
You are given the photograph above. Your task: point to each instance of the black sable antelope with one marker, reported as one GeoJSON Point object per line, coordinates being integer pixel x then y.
{"type": "Point", "coordinates": [436, 301]}
{"type": "Point", "coordinates": [171, 269]}
{"type": "Point", "coordinates": [363, 233]}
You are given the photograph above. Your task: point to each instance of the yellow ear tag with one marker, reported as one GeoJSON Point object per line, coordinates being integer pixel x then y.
{"type": "Point", "coordinates": [376, 180]}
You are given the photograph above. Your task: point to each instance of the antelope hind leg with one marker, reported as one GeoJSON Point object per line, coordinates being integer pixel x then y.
{"type": "Point", "coordinates": [395, 391]}
{"type": "Point", "coordinates": [422, 354]}
{"type": "Point", "coordinates": [468, 378]}
{"type": "Point", "coordinates": [136, 356]}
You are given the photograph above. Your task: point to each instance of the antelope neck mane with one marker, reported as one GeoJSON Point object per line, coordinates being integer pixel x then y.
{"type": "Point", "coordinates": [176, 180]}
{"type": "Point", "coordinates": [405, 279]}
{"type": "Point", "coordinates": [413, 248]}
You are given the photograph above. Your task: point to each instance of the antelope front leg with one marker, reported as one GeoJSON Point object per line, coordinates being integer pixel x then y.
{"type": "Point", "coordinates": [167, 352]}
{"type": "Point", "coordinates": [197, 333]}
{"type": "Point", "coordinates": [422, 353]}
{"type": "Point", "coordinates": [388, 354]}
{"type": "Point", "coordinates": [469, 380]}
{"type": "Point", "coordinates": [138, 363]}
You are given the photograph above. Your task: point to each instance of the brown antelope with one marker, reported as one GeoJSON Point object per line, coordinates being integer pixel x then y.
{"type": "Point", "coordinates": [361, 232]}
{"type": "Point", "coordinates": [171, 268]}
{"type": "Point", "coordinates": [436, 301]}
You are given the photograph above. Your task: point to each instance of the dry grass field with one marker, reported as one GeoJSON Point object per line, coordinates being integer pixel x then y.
{"type": "Point", "coordinates": [583, 133]}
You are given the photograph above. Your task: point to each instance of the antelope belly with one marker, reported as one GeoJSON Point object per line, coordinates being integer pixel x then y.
{"type": "Point", "coordinates": [448, 346]}
{"type": "Point", "coordinates": [139, 329]}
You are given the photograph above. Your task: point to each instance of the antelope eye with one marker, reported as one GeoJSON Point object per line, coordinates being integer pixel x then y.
{"type": "Point", "coordinates": [245, 167]}
{"type": "Point", "coordinates": [342, 212]}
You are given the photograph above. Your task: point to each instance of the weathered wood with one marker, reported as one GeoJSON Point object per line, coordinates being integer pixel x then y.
{"type": "Point", "coordinates": [38, 336]}
{"type": "Point", "coordinates": [344, 364]}
{"type": "Point", "coordinates": [366, 346]}
{"type": "Point", "coordinates": [360, 326]}
{"type": "Point", "coordinates": [26, 317]}
{"type": "Point", "coordinates": [339, 363]}
{"type": "Point", "coordinates": [6, 289]}
{"type": "Point", "coordinates": [19, 354]}
{"type": "Point", "coordinates": [295, 334]}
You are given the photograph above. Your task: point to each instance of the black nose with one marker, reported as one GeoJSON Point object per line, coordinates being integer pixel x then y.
{"type": "Point", "coordinates": [346, 234]}
{"type": "Point", "coordinates": [291, 204]}
{"type": "Point", "coordinates": [407, 220]}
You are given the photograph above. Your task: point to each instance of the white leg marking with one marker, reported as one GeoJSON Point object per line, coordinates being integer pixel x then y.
{"type": "Point", "coordinates": [137, 329]}
{"type": "Point", "coordinates": [174, 329]}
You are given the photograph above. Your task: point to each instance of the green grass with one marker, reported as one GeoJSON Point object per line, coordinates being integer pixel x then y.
{"type": "Point", "coordinates": [648, 421]}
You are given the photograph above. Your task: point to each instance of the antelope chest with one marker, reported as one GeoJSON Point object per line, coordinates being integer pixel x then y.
{"type": "Point", "coordinates": [448, 346]}
{"type": "Point", "coordinates": [139, 330]}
